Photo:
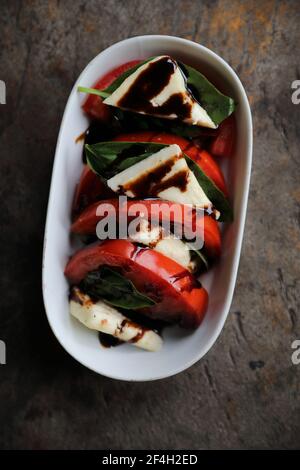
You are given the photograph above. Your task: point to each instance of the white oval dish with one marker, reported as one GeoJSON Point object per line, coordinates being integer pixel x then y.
{"type": "Point", "coordinates": [181, 349]}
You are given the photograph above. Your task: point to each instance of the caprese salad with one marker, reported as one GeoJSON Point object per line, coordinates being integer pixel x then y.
{"type": "Point", "coordinates": [157, 129]}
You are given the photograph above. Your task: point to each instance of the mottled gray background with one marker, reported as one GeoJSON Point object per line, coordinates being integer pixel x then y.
{"type": "Point", "coordinates": [245, 393]}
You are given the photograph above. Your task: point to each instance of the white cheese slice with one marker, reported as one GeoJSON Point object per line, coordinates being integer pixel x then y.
{"type": "Point", "coordinates": [177, 250]}
{"type": "Point", "coordinates": [176, 85]}
{"type": "Point", "coordinates": [102, 317]}
{"type": "Point", "coordinates": [143, 168]}
{"type": "Point", "coordinates": [143, 233]}
{"type": "Point", "coordinates": [156, 238]}
{"type": "Point", "coordinates": [191, 194]}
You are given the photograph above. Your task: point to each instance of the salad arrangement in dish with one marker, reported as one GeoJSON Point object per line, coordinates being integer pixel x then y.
{"type": "Point", "coordinates": [157, 129]}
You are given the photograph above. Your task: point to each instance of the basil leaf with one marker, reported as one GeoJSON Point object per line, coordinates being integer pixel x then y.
{"type": "Point", "coordinates": [93, 91]}
{"type": "Point", "coordinates": [203, 261]}
{"type": "Point", "coordinates": [99, 157]}
{"type": "Point", "coordinates": [128, 162]}
{"type": "Point", "coordinates": [217, 105]}
{"type": "Point", "coordinates": [115, 289]}
{"type": "Point", "coordinates": [132, 122]}
{"type": "Point", "coordinates": [109, 158]}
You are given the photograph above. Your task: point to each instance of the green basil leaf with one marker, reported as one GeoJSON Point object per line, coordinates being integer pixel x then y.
{"type": "Point", "coordinates": [133, 122]}
{"type": "Point", "coordinates": [109, 158]}
{"type": "Point", "coordinates": [201, 258]}
{"type": "Point", "coordinates": [115, 289]}
{"type": "Point", "coordinates": [128, 162]}
{"type": "Point", "coordinates": [93, 91]}
{"type": "Point", "coordinates": [217, 105]}
{"type": "Point", "coordinates": [99, 157]}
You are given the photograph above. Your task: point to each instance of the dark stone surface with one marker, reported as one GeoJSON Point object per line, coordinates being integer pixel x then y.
{"type": "Point", "coordinates": [245, 393]}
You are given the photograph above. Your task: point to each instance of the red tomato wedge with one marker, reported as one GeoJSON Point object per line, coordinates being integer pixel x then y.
{"type": "Point", "coordinates": [223, 144]}
{"type": "Point", "coordinates": [157, 211]}
{"type": "Point", "coordinates": [93, 105]}
{"type": "Point", "coordinates": [89, 189]}
{"type": "Point", "coordinates": [211, 169]}
{"type": "Point", "coordinates": [178, 296]}
{"type": "Point", "coordinates": [201, 157]}
{"type": "Point", "coordinates": [212, 237]}
{"type": "Point", "coordinates": [142, 136]}
{"type": "Point", "coordinates": [170, 139]}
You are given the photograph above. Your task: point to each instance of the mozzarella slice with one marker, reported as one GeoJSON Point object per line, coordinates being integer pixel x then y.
{"type": "Point", "coordinates": [144, 169]}
{"type": "Point", "coordinates": [102, 317]}
{"type": "Point", "coordinates": [193, 193]}
{"type": "Point", "coordinates": [139, 180]}
{"type": "Point", "coordinates": [157, 239]}
{"type": "Point", "coordinates": [177, 250]}
{"type": "Point", "coordinates": [145, 234]}
{"type": "Point", "coordinates": [175, 87]}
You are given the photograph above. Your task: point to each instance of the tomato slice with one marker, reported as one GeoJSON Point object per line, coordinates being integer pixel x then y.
{"type": "Point", "coordinates": [178, 296]}
{"type": "Point", "coordinates": [211, 169]}
{"type": "Point", "coordinates": [212, 237]}
{"type": "Point", "coordinates": [93, 105]}
{"type": "Point", "coordinates": [164, 138]}
{"type": "Point", "coordinates": [143, 136]}
{"type": "Point", "coordinates": [157, 211]}
{"type": "Point", "coordinates": [223, 144]}
{"type": "Point", "coordinates": [201, 157]}
{"type": "Point", "coordinates": [110, 77]}
{"type": "Point", "coordinates": [89, 189]}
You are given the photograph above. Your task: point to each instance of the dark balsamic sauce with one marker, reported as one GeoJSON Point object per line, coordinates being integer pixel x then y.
{"type": "Point", "coordinates": [141, 330]}
{"type": "Point", "coordinates": [138, 336]}
{"type": "Point", "coordinates": [144, 324]}
{"type": "Point", "coordinates": [81, 137]}
{"type": "Point", "coordinates": [151, 182]}
{"type": "Point", "coordinates": [180, 181]}
{"type": "Point", "coordinates": [100, 131]}
{"type": "Point", "coordinates": [74, 296]}
{"type": "Point", "coordinates": [146, 183]}
{"type": "Point", "coordinates": [108, 341]}
{"type": "Point", "coordinates": [149, 84]}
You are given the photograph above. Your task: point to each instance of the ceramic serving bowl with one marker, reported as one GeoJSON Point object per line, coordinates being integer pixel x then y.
{"type": "Point", "coordinates": [181, 349]}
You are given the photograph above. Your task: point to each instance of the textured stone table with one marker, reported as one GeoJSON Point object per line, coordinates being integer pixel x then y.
{"type": "Point", "coordinates": [245, 393]}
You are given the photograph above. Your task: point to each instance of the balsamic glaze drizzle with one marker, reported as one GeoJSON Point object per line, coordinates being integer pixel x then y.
{"type": "Point", "coordinates": [149, 83]}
